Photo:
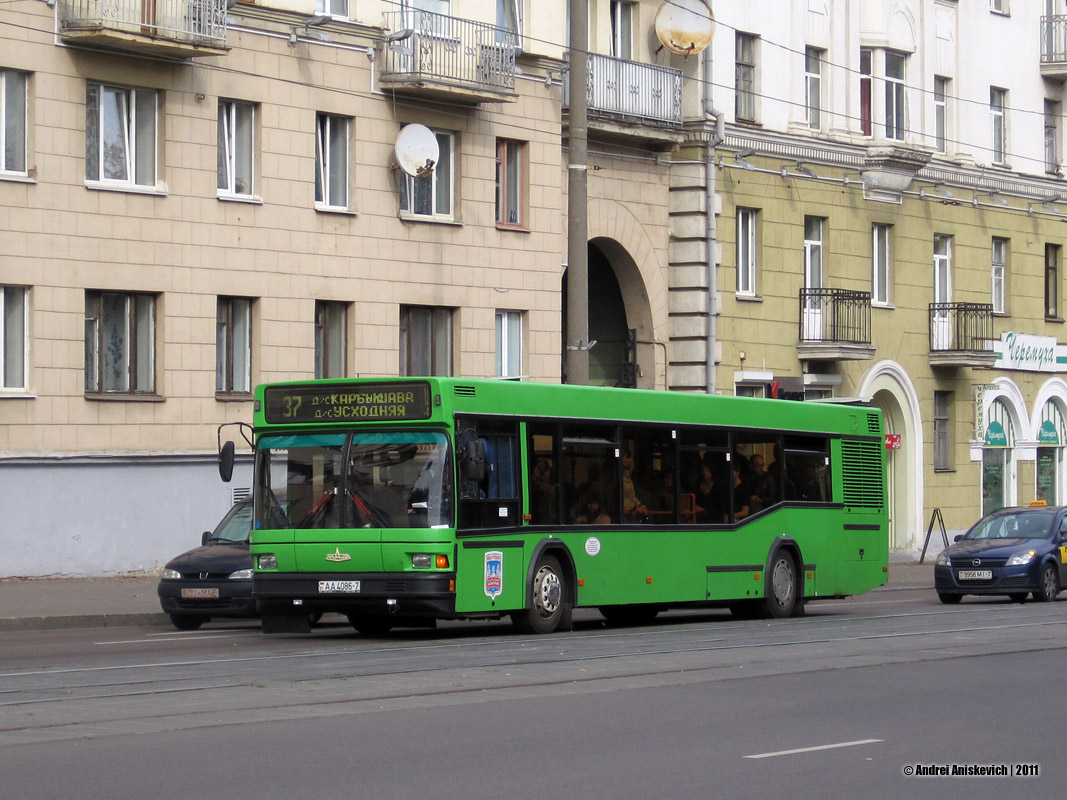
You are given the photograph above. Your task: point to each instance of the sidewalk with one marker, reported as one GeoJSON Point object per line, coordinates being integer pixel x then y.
{"type": "Point", "coordinates": [52, 603]}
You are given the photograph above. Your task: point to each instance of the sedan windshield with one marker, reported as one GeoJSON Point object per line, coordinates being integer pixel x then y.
{"type": "Point", "coordinates": [235, 526]}
{"type": "Point", "coordinates": [362, 480]}
{"type": "Point", "coordinates": [1014, 525]}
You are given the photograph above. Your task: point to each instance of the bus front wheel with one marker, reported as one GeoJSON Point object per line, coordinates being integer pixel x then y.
{"type": "Point", "coordinates": [548, 608]}
{"type": "Point", "coordinates": [780, 597]}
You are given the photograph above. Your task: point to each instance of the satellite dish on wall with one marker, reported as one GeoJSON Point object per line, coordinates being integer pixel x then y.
{"type": "Point", "coordinates": [416, 150]}
{"type": "Point", "coordinates": [685, 27]}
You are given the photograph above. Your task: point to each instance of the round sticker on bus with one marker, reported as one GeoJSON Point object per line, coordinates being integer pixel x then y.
{"type": "Point", "coordinates": [592, 545]}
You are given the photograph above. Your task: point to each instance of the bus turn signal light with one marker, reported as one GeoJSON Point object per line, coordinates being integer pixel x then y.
{"type": "Point", "coordinates": [442, 562]}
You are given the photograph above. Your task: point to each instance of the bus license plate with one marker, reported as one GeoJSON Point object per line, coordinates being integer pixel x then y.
{"type": "Point", "coordinates": [338, 586]}
{"type": "Point", "coordinates": [200, 594]}
{"type": "Point", "coordinates": [976, 574]}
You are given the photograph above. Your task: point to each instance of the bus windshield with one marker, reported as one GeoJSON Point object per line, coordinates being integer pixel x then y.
{"type": "Point", "coordinates": [385, 479]}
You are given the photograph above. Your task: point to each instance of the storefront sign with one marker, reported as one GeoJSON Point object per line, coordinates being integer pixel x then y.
{"type": "Point", "coordinates": [892, 441]}
{"type": "Point", "coordinates": [995, 435]}
{"type": "Point", "coordinates": [1047, 434]}
{"type": "Point", "coordinates": [1029, 353]}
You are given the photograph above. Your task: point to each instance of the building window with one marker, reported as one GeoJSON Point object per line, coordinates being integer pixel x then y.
{"type": "Point", "coordinates": [813, 252]}
{"type": "Point", "coordinates": [750, 389]}
{"type": "Point", "coordinates": [331, 161]}
{"type": "Point", "coordinates": [509, 22]}
{"type": "Point", "coordinates": [235, 157]}
{"type": "Point", "coordinates": [1052, 281]}
{"type": "Point", "coordinates": [747, 219]}
{"type": "Point", "coordinates": [431, 195]}
{"type": "Point", "coordinates": [998, 103]}
{"type": "Point", "coordinates": [13, 120]}
{"type": "Point", "coordinates": [941, 113]}
{"type": "Point", "coordinates": [508, 344]}
{"type": "Point", "coordinates": [745, 77]}
{"type": "Point", "coordinates": [510, 182]}
{"type": "Point", "coordinates": [813, 58]}
{"type": "Point", "coordinates": [942, 430]}
{"type": "Point", "coordinates": [120, 135]}
{"type": "Point", "coordinates": [425, 340]}
{"type": "Point", "coordinates": [331, 338]}
{"type": "Point", "coordinates": [1052, 137]}
{"type": "Point", "coordinates": [1000, 274]}
{"type": "Point", "coordinates": [942, 268]}
{"type": "Point", "coordinates": [880, 263]}
{"type": "Point", "coordinates": [866, 91]}
{"type": "Point", "coordinates": [622, 29]}
{"type": "Point", "coordinates": [894, 96]}
{"type": "Point", "coordinates": [333, 8]}
{"type": "Point", "coordinates": [999, 6]}
{"type": "Point", "coordinates": [233, 346]}
{"type": "Point", "coordinates": [13, 336]}
{"type": "Point", "coordinates": [120, 336]}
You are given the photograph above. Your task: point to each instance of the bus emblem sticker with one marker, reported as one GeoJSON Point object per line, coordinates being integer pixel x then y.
{"type": "Point", "coordinates": [494, 573]}
{"type": "Point", "coordinates": [592, 545]}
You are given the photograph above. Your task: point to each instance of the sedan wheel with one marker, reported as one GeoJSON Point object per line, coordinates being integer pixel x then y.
{"type": "Point", "coordinates": [949, 599]}
{"type": "Point", "coordinates": [1049, 586]}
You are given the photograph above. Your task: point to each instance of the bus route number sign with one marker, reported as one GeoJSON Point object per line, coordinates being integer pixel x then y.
{"type": "Point", "coordinates": [377, 402]}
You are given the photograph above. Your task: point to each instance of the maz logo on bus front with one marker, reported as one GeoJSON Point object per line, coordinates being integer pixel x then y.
{"type": "Point", "coordinates": [337, 555]}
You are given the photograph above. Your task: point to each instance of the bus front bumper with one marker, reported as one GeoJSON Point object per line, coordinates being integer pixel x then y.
{"type": "Point", "coordinates": [399, 594]}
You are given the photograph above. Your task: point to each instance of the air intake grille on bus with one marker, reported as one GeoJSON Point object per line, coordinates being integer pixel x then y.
{"type": "Point", "coordinates": [862, 474]}
{"type": "Point", "coordinates": [872, 423]}
{"type": "Point", "coordinates": [465, 391]}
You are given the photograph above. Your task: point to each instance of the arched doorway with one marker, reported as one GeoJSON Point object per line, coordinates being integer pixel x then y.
{"type": "Point", "coordinates": [998, 463]}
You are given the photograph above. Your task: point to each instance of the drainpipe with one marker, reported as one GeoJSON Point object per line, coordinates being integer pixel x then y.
{"type": "Point", "coordinates": [710, 226]}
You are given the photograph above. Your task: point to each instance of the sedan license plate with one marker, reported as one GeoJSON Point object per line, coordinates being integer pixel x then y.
{"type": "Point", "coordinates": [338, 586]}
{"type": "Point", "coordinates": [976, 574]}
{"type": "Point", "coordinates": [200, 594]}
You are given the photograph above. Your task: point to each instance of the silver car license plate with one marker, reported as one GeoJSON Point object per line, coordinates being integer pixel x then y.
{"type": "Point", "coordinates": [976, 574]}
{"type": "Point", "coordinates": [338, 586]}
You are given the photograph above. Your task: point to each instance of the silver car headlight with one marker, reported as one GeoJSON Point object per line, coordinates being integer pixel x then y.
{"type": "Point", "coordinates": [1021, 559]}
{"type": "Point", "coordinates": [171, 575]}
{"type": "Point", "coordinates": [943, 559]}
{"type": "Point", "coordinates": [241, 575]}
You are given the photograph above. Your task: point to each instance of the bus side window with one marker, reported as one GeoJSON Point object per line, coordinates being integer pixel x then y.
{"type": "Point", "coordinates": [489, 491]}
{"type": "Point", "coordinates": [806, 476]}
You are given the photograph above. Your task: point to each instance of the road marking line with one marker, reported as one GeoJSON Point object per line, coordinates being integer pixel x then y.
{"type": "Point", "coordinates": [813, 749]}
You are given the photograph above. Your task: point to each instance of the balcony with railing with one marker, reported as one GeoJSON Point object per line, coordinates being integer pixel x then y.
{"type": "Point", "coordinates": [835, 325]}
{"type": "Point", "coordinates": [1054, 46]}
{"type": "Point", "coordinates": [441, 57]}
{"type": "Point", "coordinates": [176, 28]}
{"type": "Point", "coordinates": [961, 335]}
{"type": "Point", "coordinates": [632, 100]}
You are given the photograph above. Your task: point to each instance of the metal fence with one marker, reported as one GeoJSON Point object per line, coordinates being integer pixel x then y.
{"type": "Point", "coordinates": [1054, 38]}
{"type": "Point", "coordinates": [633, 89]}
{"type": "Point", "coordinates": [439, 48]}
{"type": "Point", "coordinates": [835, 315]}
{"type": "Point", "coordinates": [182, 20]}
{"type": "Point", "coordinates": [961, 327]}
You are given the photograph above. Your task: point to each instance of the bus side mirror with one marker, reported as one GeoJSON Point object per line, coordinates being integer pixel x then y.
{"type": "Point", "coordinates": [226, 461]}
{"type": "Point", "coordinates": [474, 461]}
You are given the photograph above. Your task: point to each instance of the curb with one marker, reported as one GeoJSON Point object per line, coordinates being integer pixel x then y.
{"type": "Point", "coordinates": [81, 621]}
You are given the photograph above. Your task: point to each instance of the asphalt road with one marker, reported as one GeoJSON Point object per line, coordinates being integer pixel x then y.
{"type": "Point", "coordinates": [841, 703]}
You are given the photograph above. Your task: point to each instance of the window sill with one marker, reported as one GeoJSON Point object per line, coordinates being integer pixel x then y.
{"type": "Point", "coordinates": [324, 209]}
{"type": "Point", "coordinates": [1054, 319]}
{"type": "Point", "coordinates": [17, 177]}
{"type": "Point", "coordinates": [508, 226]}
{"type": "Point", "coordinates": [406, 217]}
{"type": "Point", "coordinates": [17, 394]}
{"type": "Point", "coordinates": [251, 199]}
{"type": "Point", "coordinates": [944, 469]}
{"type": "Point", "coordinates": [120, 397]}
{"type": "Point", "coordinates": [884, 306]}
{"type": "Point", "coordinates": [235, 397]}
{"type": "Point", "coordinates": [127, 188]}
{"type": "Point", "coordinates": [748, 298]}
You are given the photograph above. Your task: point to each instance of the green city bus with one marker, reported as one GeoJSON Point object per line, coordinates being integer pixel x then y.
{"type": "Point", "coordinates": [398, 502]}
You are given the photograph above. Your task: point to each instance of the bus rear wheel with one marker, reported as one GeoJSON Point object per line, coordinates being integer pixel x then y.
{"type": "Point", "coordinates": [548, 608]}
{"type": "Point", "coordinates": [780, 597]}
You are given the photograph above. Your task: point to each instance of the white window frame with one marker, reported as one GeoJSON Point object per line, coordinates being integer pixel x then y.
{"type": "Point", "coordinates": [941, 111]}
{"type": "Point", "coordinates": [745, 66]}
{"type": "Point", "coordinates": [138, 128]}
{"type": "Point", "coordinates": [132, 335]}
{"type": "Point", "coordinates": [509, 22]}
{"type": "Point", "coordinates": [813, 61]}
{"type": "Point", "coordinates": [998, 117]}
{"type": "Point", "coordinates": [881, 264]}
{"type": "Point", "coordinates": [1000, 7]}
{"type": "Point", "coordinates": [439, 186]}
{"type": "Point", "coordinates": [622, 29]}
{"type": "Point", "coordinates": [508, 337]}
{"type": "Point", "coordinates": [236, 143]}
{"type": "Point", "coordinates": [895, 95]}
{"type": "Point", "coordinates": [14, 338]}
{"type": "Point", "coordinates": [747, 254]}
{"type": "Point", "coordinates": [333, 134]}
{"type": "Point", "coordinates": [332, 8]}
{"type": "Point", "coordinates": [331, 339]}
{"type": "Point", "coordinates": [999, 276]}
{"type": "Point", "coordinates": [814, 265]}
{"type": "Point", "coordinates": [14, 133]}
{"type": "Point", "coordinates": [943, 244]}
{"type": "Point", "coordinates": [233, 346]}
{"type": "Point", "coordinates": [943, 430]}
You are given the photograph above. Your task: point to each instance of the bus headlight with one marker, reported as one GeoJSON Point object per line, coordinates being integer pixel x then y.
{"type": "Point", "coordinates": [421, 561]}
{"type": "Point", "coordinates": [267, 561]}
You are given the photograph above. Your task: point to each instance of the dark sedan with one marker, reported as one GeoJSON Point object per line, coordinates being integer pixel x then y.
{"type": "Point", "coordinates": [215, 579]}
{"type": "Point", "coordinates": [1013, 552]}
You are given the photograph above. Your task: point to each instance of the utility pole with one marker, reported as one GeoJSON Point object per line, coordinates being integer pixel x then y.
{"type": "Point", "coordinates": [576, 361]}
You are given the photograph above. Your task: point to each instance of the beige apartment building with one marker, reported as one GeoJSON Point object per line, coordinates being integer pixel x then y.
{"type": "Point", "coordinates": [831, 201]}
